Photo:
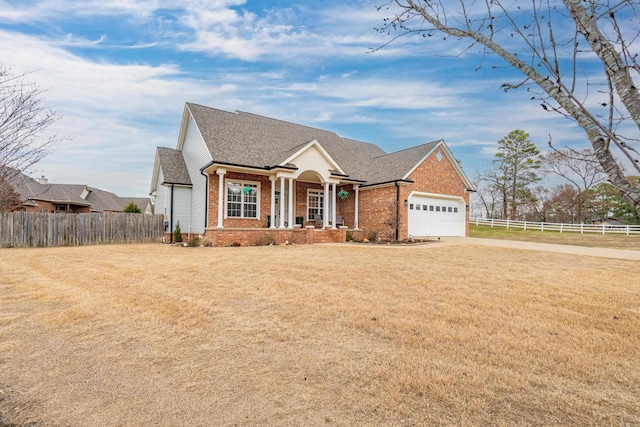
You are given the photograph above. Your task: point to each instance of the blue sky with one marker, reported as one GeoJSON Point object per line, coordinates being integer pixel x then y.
{"type": "Point", "coordinates": [120, 71]}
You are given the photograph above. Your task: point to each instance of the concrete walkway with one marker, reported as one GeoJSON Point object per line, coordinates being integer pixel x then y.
{"type": "Point", "coordinates": [545, 247]}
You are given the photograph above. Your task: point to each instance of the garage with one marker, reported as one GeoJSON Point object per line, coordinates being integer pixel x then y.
{"type": "Point", "coordinates": [436, 216]}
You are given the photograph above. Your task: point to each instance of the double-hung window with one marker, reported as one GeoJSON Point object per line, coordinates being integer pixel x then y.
{"type": "Point", "coordinates": [242, 199]}
{"type": "Point", "coordinates": [315, 204]}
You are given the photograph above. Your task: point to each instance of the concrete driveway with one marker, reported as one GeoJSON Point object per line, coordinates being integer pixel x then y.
{"type": "Point", "coordinates": [545, 247]}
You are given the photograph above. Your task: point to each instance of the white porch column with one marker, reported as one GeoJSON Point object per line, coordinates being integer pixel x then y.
{"type": "Point", "coordinates": [290, 200]}
{"type": "Point", "coordinates": [282, 202]}
{"type": "Point", "coordinates": [272, 212]}
{"type": "Point", "coordinates": [221, 173]}
{"type": "Point", "coordinates": [325, 208]}
{"type": "Point", "coordinates": [355, 222]}
{"type": "Point", "coordinates": [333, 206]}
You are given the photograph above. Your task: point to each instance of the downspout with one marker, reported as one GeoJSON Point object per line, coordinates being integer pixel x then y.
{"type": "Point", "coordinates": [206, 198]}
{"type": "Point", "coordinates": [397, 210]}
{"type": "Point", "coordinates": [171, 222]}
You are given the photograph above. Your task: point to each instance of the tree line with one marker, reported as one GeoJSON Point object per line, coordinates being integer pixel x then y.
{"type": "Point", "coordinates": [567, 186]}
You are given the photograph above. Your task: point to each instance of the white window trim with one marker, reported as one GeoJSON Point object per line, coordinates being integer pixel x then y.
{"type": "Point", "coordinates": [226, 198]}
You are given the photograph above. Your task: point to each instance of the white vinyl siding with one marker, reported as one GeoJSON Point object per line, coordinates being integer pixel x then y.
{"type": "Point", "coordinates": [196, 155]}
{"type": "Point", "coordinates": [182, 208]}
{"type": "Point", "coordinates": [161, 206]}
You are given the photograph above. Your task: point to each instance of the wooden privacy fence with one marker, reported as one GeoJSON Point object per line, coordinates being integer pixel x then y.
{"type": "Point", "coordinates": [29, 229]}
{"type": "Point", "coordinates": [552, 226]}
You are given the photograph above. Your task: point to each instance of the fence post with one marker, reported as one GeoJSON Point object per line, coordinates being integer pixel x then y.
{"type": "Point", "coordinates": [525, 225]}
{"type": "Point", "coordinates": [581, 228]}
{"type": "Point", "coordinates": [561, 225]}
{"type": "Point", "coordinates": [603, 228]}
{"type": "Point", "coordinates": [627, 230]}
{"type": "Point", "coordinates": [491, 222]}
{"type": "Point", "coordinates": [507, 224]}
{"type": "Point", "coordinates": [542, 226]}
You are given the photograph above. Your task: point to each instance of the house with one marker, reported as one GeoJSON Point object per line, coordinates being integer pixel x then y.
{"type": "Point", "coordinates": [241, 178]}
{"type": "Point", "coordinates": [38, 195]}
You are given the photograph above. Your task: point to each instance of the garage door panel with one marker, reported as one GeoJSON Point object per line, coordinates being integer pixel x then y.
{"type": "Point", "coordinates": [431, 216]}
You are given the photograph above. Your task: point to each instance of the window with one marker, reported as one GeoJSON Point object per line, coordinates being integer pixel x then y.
{"type": "Point", "coordinates": [411, 206]}
{"type": "Point", "coordinates": [449, 209]}
{"type": "Point", "coordinates": [455, 210]}
{"type": "Point", "coordinates": [242, 199]}
{"type": "Point", "coordinates": [315, 204]}
{"type": "Point", "coordinates": [431, 208]}
{"type": "Point", "coordinates": [417, 207]}
{"type": "Point", "coordinates": [437, 208]}
{"type": "Point", "coordinates": [424, 207]}
{"type": "Point", "coordinates": [444, 209]}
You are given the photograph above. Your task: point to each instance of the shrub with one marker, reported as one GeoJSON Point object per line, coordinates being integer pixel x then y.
{"type": "Point", "coordinates": [177, 234]}
{"type": "Point", "coordinates": [265, 240]}
{"type": "Point", "coordinates": [372, 235]}
{"type": "Point", "coordinates": [206, 242]}
{"type": "Point", "coordinates": [131, 208]}
{"type": "Point", "coordinates": [349, 236]}
{"type": "Point", "coordinates": [194, 242]}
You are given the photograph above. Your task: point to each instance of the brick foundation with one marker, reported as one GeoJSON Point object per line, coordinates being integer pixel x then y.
{"type": "Point", "coordinates": [265, 236]}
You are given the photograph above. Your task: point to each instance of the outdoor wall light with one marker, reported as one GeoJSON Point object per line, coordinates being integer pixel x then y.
{"type": "Point", "coordinates": [406, 202]}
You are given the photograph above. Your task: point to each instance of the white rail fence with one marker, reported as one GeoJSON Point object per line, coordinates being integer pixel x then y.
{"type": "Point", "coordinates": [551, 226]}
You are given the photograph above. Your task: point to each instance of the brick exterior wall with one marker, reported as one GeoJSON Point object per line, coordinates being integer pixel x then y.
{"type": "Point", "coordinates": [257, 236]}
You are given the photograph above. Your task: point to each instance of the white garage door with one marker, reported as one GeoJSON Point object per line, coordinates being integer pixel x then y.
{"type": "Point", "coordinates": [435, 217]}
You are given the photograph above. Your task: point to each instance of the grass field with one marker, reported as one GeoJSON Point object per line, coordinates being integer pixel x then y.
{"type": "Point", "coordinates": [596, 240]}
{"type": "Point", "coordinates": [317, 335]}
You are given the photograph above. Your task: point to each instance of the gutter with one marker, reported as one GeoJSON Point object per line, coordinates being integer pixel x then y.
{"type": "Point", "coordinates": [171, 224]}
{"type": "Point", "coordinates": [395, 181]}
{"type": "Point", "coordinates": [397, 210]}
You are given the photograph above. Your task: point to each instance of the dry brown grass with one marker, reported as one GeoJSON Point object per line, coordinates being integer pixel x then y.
{"type": "Point", "coordinates": [344, 335]}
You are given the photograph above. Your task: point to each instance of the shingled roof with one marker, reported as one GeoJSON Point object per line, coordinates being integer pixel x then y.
{"type": "Point", "coordinates": [174, 169]}
{"type": "Point", "coordinates": [246, 139]}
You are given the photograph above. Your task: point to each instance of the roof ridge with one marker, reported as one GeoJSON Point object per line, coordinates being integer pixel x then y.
{"type": "Point", "coordinates": [410, 148]}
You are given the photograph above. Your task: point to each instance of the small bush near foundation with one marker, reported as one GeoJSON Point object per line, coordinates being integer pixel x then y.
{"type": "Point", "coordinates": [206, 242]}
{"type": "Point", "coordinates": [177, 234]}
{"type": "Point", "coordinates": [372, 236]}
{"type": "Point", "coordinates": [194, 242]}
{"type": "Point", "coordinates": [349, 236]}
{"type": "Point", "coordinates": [265, 240]}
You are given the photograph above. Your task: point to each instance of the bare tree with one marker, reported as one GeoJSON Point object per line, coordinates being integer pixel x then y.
{"type": "Point", "coordinates": [550, 42]}
{"type": "Point", "coordinates": [579, 167]}
{"type": "Point", "coordinates": [23, 119]}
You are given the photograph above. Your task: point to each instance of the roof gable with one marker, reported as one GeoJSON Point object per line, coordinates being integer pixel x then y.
{"type": "Point", "coordinates": [312, 153]}
{"type": "Point", "coordinates": [250, 140]}
{"type": "Point", "coordinates": [173, 166]}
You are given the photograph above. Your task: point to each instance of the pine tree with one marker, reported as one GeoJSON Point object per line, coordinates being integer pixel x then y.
{"type": "Point", "coordinates": [177, 234]}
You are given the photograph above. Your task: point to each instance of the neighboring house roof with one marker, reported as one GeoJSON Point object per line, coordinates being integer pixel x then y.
{"type": "Point", "coordinates": [31, 190]}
